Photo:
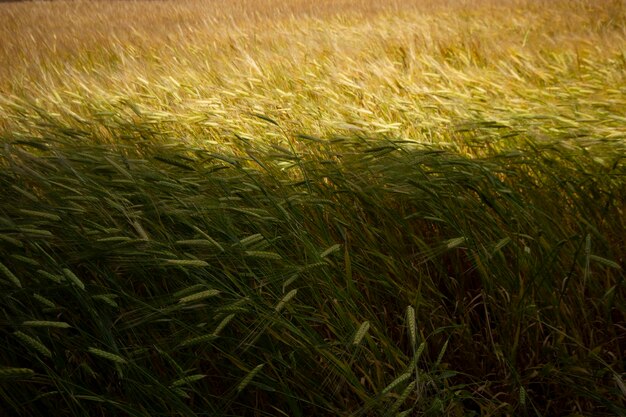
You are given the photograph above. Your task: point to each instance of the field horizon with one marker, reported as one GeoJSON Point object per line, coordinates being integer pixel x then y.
{"type": "Point", "coordinates": [338, 208]}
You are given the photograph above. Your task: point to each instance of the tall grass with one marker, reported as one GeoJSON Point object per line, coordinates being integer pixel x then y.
{"type": "Point", "coordinates": [189, 281]}
{"type": "Point", "coordinates": [346, 209]}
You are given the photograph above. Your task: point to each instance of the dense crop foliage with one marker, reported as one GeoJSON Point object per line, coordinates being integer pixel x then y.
{"type": "Point", "coordinates": [346, 209]}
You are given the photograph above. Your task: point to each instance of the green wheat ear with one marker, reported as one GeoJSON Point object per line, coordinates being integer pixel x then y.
{"type": "Point", "coordinates": [249, 377]}
{"type": "Point", "coordinates": [397, 382]}
{"type": "Point", "coordinates": [223, 324]}
{"type": "Point", "coordinates": [410, 318]}
{"type": "Point", "coordinates": [187, 380]}
{"type": "Point", "coordinates": [73, 278]}
{"type": "Point", "coordinates": [43, 300]}
{"type": "Point", "coordinates": [43, 323]}
{"type": "Point", "coordinates": [286, 299]}
{"type": "Point", "coordinates": [330, 250]}
{"type": "Point", "coordinates": [198, 340]}
{"type": "Point", "coordinates": [7, 273]}
{"type": "Point", "coordinates": [107, 355]}
{"type": "Point", "coordinates": [15, 373]}
{"type": "Point", "coordinates": [402, 398]}
{"type": "Point", "coordinates": [186, 262]}
{"type": "Point", "coordinates": [34, 343]}
{"type": "Point", "coordinates": [199, 296]}
{"type": "Point", "coordinates": [263, 254]}
{"type": "Point", "coordinates": [361, 332]}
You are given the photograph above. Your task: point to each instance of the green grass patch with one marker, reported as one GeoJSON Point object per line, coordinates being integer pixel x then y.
{"type": "Point", "coordinates": [355, 276]}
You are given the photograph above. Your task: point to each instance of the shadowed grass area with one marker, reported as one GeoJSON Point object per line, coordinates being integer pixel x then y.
{"type": "Point", "coordinates": [351, 276]}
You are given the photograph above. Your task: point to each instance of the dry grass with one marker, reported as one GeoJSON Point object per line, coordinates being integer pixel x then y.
{"type": "Point", "coordinates": [411, 69]}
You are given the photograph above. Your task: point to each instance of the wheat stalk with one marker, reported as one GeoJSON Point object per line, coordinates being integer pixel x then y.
{"type": "Point", "coordinates": [186, 262]}
{"type": "Point", "coordinates": [361, 332]}
{"type": "Point", "coordinates": [198, 340]}
{"type": "Point", "coordinates": [263, 254]}
{"type": "Point", "coordinates": [249, 377]}
{"type": "Point", "coordinates": [43, 323]}
{"type": "Point", "coordinates": [330, 250]}
{"type": "Point", "coordinates": [187, 380]}
{"type": "Point", "coordinates": [396, 382]}
{"type": "Point", "coordinates": [34, 343]}
{"type": "Point", "coordinates": [43, 300]}
{"type": "Point", "coordinates": [54, 278]}
{"type": "Point", "coordinates": [7, 273]}
{"type": "Point", "coordinates": [73, 278]}
{"type": "Point", "coordinates": [410, 316]}
{"type": "Point", "coordinates": [223, 324]}
{"type": "Point", "coordinates": [16, 373]}
{"type": "Point", "coordinates": [107, 355]}
{"type": "Point", "coordinates": [285, 300]}
{"type": "Point", "coordinates": [199, 296]}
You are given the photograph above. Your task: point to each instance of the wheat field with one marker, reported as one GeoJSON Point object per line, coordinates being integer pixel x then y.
{"type": "Point", "coordinates": [294, 208]}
